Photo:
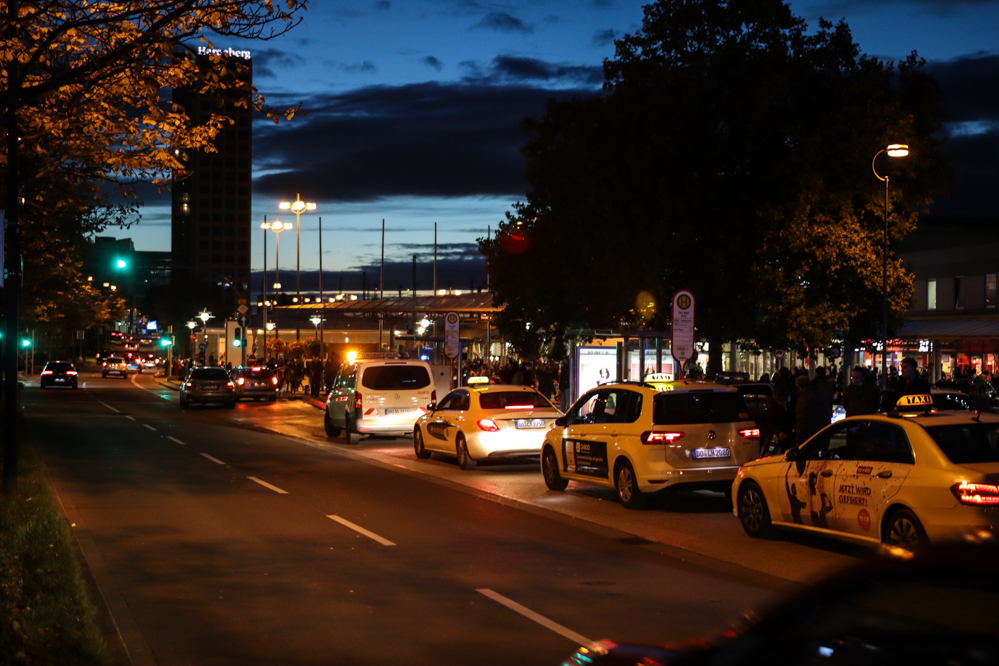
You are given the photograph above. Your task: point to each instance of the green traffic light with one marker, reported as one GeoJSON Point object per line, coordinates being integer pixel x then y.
{"type": "Point", "coordinates": [25, 343]}
{"type": "Point", "coordinates": [165, 342]}
{"type": "Point", "coordinates": [237, 342]}
{"type": "Point", "coordinates": [121, 263]}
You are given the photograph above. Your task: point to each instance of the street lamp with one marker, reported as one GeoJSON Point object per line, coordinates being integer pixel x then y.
{"type": "Point", "coordinates": [204, 316]}
{"type": "Point", "coordinates": [893, 150]}
{"type": "Point", "coordinates": [277, 226]}
{"type": "Point", "coordinates": [297, 207]}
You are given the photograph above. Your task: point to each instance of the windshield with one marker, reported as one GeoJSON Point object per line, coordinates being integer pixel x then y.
{"type": "Point", "coordinates": [967, 443]}
{"type": "Point", "coordinates": [395, 377]}
{"type": "Point", "coordinates": [512, 400]}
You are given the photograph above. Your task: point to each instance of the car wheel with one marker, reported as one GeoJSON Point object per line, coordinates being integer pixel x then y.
{"type": "Point", "coordinates": [353, 437]}
{"type": "Point", "coordinates": [904, 530]}
{"type": "Point", "coordinates": [421, 450]}
{"type": "Point", "coordinates": [754, 514]}
{"type": "Point", "coordinates": [549, 470]}
{"type": "Point", "coordinates": [627, 486]}
{"type": "Point", "coordinates": [465, 461]}
{"type": "Point", "coordinates": [331, 430]}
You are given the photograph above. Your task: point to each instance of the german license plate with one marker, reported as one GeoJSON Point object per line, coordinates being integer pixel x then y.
{"type": "Point", "coordinates": [400, 410]}
{"type": "Point", "coordinates": [718, 452]}
{"type": "Point", "coordinates": [210, 387]}
{"type": "Point", "coordinates": [59, 379]}
{"type": "Point", "coordinates": [530, 423]}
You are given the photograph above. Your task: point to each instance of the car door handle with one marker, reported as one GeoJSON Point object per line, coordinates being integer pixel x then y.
{"type": "Point", "coordinates": [825, 472]}
{"type": "Point", "coordinates": [884, 475]}
{"type": "Point", "coordinates": [613, 434]}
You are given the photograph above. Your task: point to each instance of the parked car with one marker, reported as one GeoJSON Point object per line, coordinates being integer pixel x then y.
{"type": "Point", "coordinates": [207, 385]}
{"type": "Point", "coordinates": [58, 373]}
{"type": "Point", "coordinates": [485, 421]}
{"type": "Point", "coordinates": [641, 440]}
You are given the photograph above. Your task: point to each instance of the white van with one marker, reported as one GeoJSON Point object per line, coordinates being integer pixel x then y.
{"type": "Point", "coordinates": [379, 393]}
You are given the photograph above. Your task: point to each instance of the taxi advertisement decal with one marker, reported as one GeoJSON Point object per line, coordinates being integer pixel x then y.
{"type": "Point", "coordinates": [865, 470]}
{"type": "Point", "coordinates": [585, 458]}
{"type": "Point", "coordinates": [438, 430]}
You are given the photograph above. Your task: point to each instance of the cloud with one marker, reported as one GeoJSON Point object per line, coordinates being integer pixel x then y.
{"type": "Point", "coordinates": [931, 7]}
{"type": "Point", "coordinates": [604, 37]}
{"type": "Point", "coordinates": [503, 22]}
{"type": "Point", "coordinates": [970, 85]}
{"type": "Point", "coordinates": [265, 61]}
{"type": "Point", "coordinates": [424, 140]}
{"type": "Point", "coordinates": [508, 68]}
{"type": "Point", "coordinates": [360, 68]}
{"type": "Point", "coordinates": [434, 62]}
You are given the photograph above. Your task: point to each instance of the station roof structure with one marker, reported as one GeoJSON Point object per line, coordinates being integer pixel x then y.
{"type": "Point", "coordinates": [475, 303]}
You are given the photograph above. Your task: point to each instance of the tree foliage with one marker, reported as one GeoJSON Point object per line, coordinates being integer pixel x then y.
{"type": "Point", "coordinates": [729, 154]}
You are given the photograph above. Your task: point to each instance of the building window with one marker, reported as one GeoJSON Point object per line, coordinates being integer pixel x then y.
{"type": "Point", "coordinates": [931, 294]}
{"type": "Point", "coordinates": [959, 293]}
{"type": "Point", "coordinates": [990, 290]}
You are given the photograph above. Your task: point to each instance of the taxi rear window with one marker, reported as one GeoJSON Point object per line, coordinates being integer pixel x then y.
{"type": "Point", "coordinates": [698, 407]}
{"type": "Point", "coordinates": [967, 443]}
{"type": "Point", "coordinates": [509, 399]}
{"type": "Point", "coordinates": [395, 377]}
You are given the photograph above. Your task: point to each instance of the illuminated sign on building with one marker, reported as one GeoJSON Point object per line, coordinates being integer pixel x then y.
{"type": "Point", "coordinates": [204, 50]}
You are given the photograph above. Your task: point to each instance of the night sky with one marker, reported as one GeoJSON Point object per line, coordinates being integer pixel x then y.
{"type": "Point", "coordinates": [414, 109]}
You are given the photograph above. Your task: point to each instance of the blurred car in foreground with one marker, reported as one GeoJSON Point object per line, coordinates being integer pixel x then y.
{"type": "Point", "coordinates": [256, 382]}
{"type": "Point", "coordinates": [58, 373]}
{"type": "Point", "coordinates": [485, 421]}
{"type": "Point", "coordinates": [905, 478]}
{"type": "Point", "coordinates": [114, 366]}
{"type": "Point", "coordinates": [207, 385]}
{"type": "Point", "coordinates": [937, 606]}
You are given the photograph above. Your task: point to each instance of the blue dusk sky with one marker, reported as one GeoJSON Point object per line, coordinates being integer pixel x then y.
{"type": "Point", "coordinates": [413, 114]}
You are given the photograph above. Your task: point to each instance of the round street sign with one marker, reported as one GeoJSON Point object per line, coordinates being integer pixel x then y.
{"type": "Point", "coordinates": [779, 353]}
{"type": "Point", "coordinates": [682, 339]}
{"type": "Point", "coordinates": [202, 347]}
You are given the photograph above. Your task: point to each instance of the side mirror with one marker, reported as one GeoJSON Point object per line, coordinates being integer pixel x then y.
{"type": "Point", "coordinates": [562, 421]}
{"type": "Point", "coordinates": [791, 455]}
{"type": "Point", "coordinates": [432, 407]}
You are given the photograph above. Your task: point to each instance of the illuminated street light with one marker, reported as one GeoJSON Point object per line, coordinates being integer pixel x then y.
{"type": "Point", "coordinates": [893, 150]}
{"type": "Point", "coordinates": [297, 207]}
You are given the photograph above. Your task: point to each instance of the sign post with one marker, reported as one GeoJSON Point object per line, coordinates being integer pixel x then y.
{"type": "Point", "coordinates": [682, 340]}
{"type": "Point", "coordinates": [452, 340]}
{"type": "Point", "coordinates": [779, 355]}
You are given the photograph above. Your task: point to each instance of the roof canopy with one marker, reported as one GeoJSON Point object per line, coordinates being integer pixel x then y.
{"type": "Point", "coordinates": [463, 303]}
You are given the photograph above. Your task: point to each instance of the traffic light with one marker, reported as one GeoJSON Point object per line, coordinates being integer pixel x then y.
{"type": "Point", "coordinates": [25, 342]}
{"type": "Point", "coordinates": [120, 263]}
{"type": "Point", "coordinates": [237, 337]}
{"type": "Point", "coordinates": [166, 342]}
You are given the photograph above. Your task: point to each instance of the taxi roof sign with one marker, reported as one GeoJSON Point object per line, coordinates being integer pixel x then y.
{"type": "Point", "coordinates": [914, 400]}
{"type": "Point", "coordinates": [658, 377]}
{"type": "Point", "coordinates": [477, 380]}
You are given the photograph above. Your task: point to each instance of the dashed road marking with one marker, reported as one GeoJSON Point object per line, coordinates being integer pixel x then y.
{"type": "Point", "coordinates": [357, 528]}
{"type": "Point", "coordinates": [536, 617]}
{"type": "Point", "coordinates": [266, 485]}
{"type": "Point", "coordinates": [108, 406]}
{"type": "Point", "coordinates": [130, 418]}
{"type": "Point", "coordinates": [214, 460]}
{"type": "Point", "coordinates": [149, 426]}
{"type": "Point", "coordinates": [174, 439]}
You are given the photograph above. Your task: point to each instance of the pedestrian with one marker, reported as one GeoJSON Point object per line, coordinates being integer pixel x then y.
{"type": "Point", "coordinates": [808, 418]}
{"type": "Point", "coordinates": [546, 383]}
{"type": "Point", "coordinates": [909, 382]}
{"type": "Point", "coordinates": [778, 435]}
{"type": "Point", "coordinates": [825, 394]}
{"type": "Point", "coordinates": [316, 378]}
{"type": "Point", "coordinates": [563, 387]}
{"type": "Point", "coordinates": [861, 396]}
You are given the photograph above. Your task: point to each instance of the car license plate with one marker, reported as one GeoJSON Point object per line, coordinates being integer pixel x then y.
{"type": "Point", "coordinates": [60, 379]}
{"type": "Point", "coordinates": [530, 423]}
{"type": "Point", "coordinates": [210, 387]}
{"type": "Point", "coordinates": [717, 452]}
{"type": "Point", "coordinates": [400, 410]}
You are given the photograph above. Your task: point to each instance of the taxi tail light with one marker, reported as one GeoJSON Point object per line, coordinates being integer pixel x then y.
{"type": "Point", "coordinates": [519, 407]}
{"type": "Point", "coordinates": [976, 494]}
{"type": "Point", "coordinates": [488, 425]}
{"type": "Point", "coordinates": [358, 404]}
{"type": "Point", "coordinates": [750, 433]}
{"type": "Point", "coordinates": [652, 438]}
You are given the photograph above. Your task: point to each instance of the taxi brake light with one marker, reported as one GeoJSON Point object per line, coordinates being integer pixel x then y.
{"type": "Point", "coordinates": [358, 406]}
{"type": "Point", "coordinates": [519, 407]}
{"type": "Point", "coordinates": [488, 425]}
{"type": "Point", "coordinates": [650, 437]}
{"type": "Point", "coordinates": [750, 433]}
{"type": "Point", "coordinates": [976, 494]}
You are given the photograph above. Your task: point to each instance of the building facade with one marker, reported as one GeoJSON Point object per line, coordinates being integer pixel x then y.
{"type": "Point", "coordinates": [211, 206]}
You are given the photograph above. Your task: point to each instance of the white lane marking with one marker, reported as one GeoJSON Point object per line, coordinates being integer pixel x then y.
{"type": "Point", "coordinates": [149, 426]}
{"type": "Point", "coordinates": [108, 406]}
{"type": "Point", "coordinates": [83, 385]}
{"type": "Point", "coordinates": [531, 615]}
{"type": "Point", "coordinates": [266, 485]}
{"type": "Point", "coordinates": [174, 439]}
{"type": "Point", "coordinates": [214, 460]}
{"type": "Point", "coordinates": [357, 528]}
{"type": "Point", "coordinates": [130, 418]}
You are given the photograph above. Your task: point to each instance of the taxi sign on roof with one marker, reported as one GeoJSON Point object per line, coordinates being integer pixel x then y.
{"type": "Point", "coordinates": [913, 400]}
{"type": "Point", "coordinates": [658, 377]}
{"type": "Point", "coordinates": [477, 380]}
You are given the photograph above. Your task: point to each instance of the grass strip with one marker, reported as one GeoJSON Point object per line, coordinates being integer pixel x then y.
{"type": "Point", "coordinates": [46, 616]}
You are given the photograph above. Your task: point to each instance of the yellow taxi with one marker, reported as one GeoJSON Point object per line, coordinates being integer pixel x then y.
{"type": "Point", "coordinates": [485, 421]}
{"type": "Point", "coordinates": [646, 437]}
{"type": "Point", "coordinates": [905, 478]}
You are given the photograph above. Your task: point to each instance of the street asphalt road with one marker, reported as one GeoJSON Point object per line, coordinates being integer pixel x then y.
{"type": "Point", "coordinates": [245, 536]}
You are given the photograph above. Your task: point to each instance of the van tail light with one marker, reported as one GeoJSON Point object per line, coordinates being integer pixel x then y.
{"type": "Point", "coordinates": [488, 425]}
{"type": "Point", "coordinates": [433, 396]}
{"type": "Point", "coordinates": [241, 381]}
{"type": "Point", "coordinates": [358, 406]}
{"type": "Point", "coordinates": [750, 433]}
{"type": "Point", "coordinates": [661, 438]}
{"type": "Point", "coordinates": [976, 494]}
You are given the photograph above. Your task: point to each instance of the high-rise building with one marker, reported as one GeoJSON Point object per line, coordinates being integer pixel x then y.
{"type": "Point", "coordinates": [211, 206]}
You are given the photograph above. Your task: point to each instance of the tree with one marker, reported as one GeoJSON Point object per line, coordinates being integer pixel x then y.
{"type": "Point", "coordinates": [729, 154]}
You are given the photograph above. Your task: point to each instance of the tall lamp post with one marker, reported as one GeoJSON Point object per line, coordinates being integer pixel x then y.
{"type": "Point", "coordinates": [297, 207]}
{"type": "Point", "coordinates": [204, 316]}
{"type": "Point", "coordinates": [277, 226]}
{"type": "Point", "coordinates": [893, 150]}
